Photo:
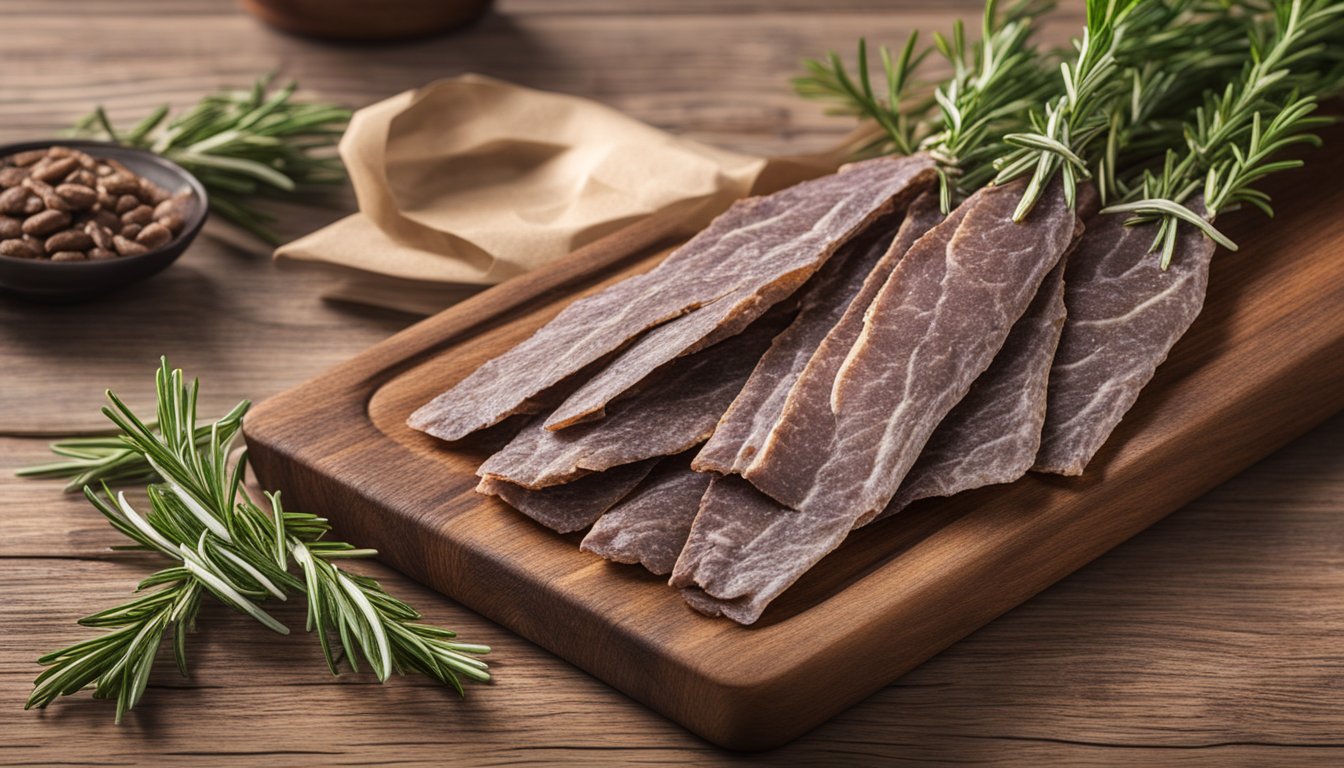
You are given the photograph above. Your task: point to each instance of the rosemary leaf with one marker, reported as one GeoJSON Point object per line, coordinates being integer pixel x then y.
{"type": "Point", "coordinates": [220, 542]}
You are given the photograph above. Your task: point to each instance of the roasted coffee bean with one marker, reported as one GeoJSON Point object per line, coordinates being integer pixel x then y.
{"type": "Point", "coordinates": [177, 205]}
{"type": "Point", "coordinates": [130, 231]}
{"type": "Point", "coordinates": [48, 194]}
{"type": "Point", "coordinates": [129, 247]}
{"type": "Point", "coordinates": [69, 240]}
{"type": "Point", "coordinates": [102, 236]}
{"type": "Point", "coordinates": [69, 256]}
{"type": "Point", "coordinates": [173, 222]}
{"type": "Point", "coordinates": [106, 219]}
{"type": "Point", "coordinates": [13, 199]}
{"type": "Point", "coordinates": [154, 235]}
{"type": "Point", "coordinates": [29, 157]}
{"type": "Point", "coordinates": [10, 227]}
{"type": "Point", "coordinates": [57, 170]}
{"type": "Point", "coordinates": [45, 223]}
{"type": "Point", "coordinates": [12, 177]}
{"type": "Point", "coordinates": [33, 205]}
{"type": "Point", "coordinates": [100, 254]}
{"type": "Point", "coordinates": [152, 193]}
{"type": "Point", "coordinates": [126, 204]}
{"type": "Point", "coordinates": [121, 183]}
{"type": "Point", "coordinates": [141, 215]}
{"type": "Point", "coordinates": [19, 249]}
{"type": "Point", "coordinates": [78, 196]}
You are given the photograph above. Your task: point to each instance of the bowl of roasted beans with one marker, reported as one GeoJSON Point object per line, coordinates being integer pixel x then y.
{"type": "Point", "coordinates": [79, 218]}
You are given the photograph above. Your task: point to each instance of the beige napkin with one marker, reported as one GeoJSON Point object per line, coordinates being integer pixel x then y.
{"type": "Point", "coordinates": [470, 181]}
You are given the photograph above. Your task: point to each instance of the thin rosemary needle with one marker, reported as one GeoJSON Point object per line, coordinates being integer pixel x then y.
{"type": "Point", "coordinates": [221, 542]}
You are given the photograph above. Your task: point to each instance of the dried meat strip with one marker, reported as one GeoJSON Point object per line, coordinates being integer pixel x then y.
{"type": "Point", "coordinates": [1125, 314]}
{"type": "Point", "coordinates": [805, 240]}
{"type": "Point", "coordinates": [831, 317]}
{"type": "Point", "coordinates": [676, 411]}
{"type": "Point", "coordinates": [935, 326]}
{"type": "Point", "coordinates": [573, 506]}
{"type": "Point", "coordinates": [993, 434]}
{"type": "Point", "coordinates": [753, 255]}
{"type": "Point", "coordinates": [650, 526]}
{"type": "Point", "coordinates": [723, 566]}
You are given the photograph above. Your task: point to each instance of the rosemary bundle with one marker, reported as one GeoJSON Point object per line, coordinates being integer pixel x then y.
{"type": "Point", "coordinates": [962, 124]}
{"type": "Point", "coordinates": [222, 543]}
{"type": "Point", "coordinates": [1234, 136]}
{"type": "Point", "coordinates": [1065, 127]}
{"type": "Point", "coordinates": [242, 145]}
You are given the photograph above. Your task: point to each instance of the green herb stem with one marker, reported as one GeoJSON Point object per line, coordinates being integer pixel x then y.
{"type": "Point", "coordinates": [221, 542]}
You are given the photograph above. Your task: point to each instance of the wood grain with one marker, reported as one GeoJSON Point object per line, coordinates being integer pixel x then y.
{"type": "Point", "coordinates": [1268, 343]}
{"type": "Point", "coordinates": [1210, 639]}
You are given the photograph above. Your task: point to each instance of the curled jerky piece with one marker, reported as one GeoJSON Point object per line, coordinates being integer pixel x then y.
{"type": "Point", "coordinates": [931, 331]}
{"type": "Point", "coordinates": [573, 506]}
{"type": "Point", "coordinates": [830, 318]}
{"type": "Point", "coordinates": [745, 549]}
{"type": "Point", "coordinates": [650, 525]}
{"type": "Point", "coordinates": [933, 328]}
{"type": "Point", "coordinates": [805, 239]}
{"type": "Point", "coordinates": [992, 435]}
{"type": "Point", "coordinates": [677, 410]}
{"type": "Point", "coordinates": [1125, 314]}
{"type": "Point", "coordinates": [753, 255]}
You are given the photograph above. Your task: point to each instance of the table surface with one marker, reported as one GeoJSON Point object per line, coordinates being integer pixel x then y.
{"type": "Point", "coordinates": [1215, 637]}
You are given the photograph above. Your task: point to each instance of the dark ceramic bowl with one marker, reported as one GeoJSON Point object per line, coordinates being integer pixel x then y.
{"type": "Point", "coordinates": [79, 279]}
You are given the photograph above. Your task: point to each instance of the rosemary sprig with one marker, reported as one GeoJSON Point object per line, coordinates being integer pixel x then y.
{"type": "Point", "coordinates": [1229, 141]}
{"type": "Point", "coordinates": [241, 145]}
{"type": "Point", "coordinates": [106, 459]}
{"type": "Point", "coordinates": [1188, 47]}
{"type": "Point", "coordinates": [993, 87]}
{"type": "Point", "coordinates": [993, 84]}
{"type": "Point", "coordinates": [222, 543]}
{"type": "Point", "coordinates": [1069, 123]}
{"type": "Point", "coordinates": [894, 110]}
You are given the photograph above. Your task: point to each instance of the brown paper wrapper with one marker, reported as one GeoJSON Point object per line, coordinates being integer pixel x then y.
{"type": "Point", "coordinates": [470, 181]}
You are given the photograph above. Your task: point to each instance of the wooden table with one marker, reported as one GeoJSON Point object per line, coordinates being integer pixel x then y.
{"type": "Point", "coordinates": [1216, 637]}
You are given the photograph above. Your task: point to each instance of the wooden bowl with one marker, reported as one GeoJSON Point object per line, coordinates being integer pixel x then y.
{"type": "Point", "coordinates": [366, 20]}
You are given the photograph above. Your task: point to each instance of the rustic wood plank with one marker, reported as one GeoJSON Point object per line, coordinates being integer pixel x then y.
{"type": "Point", "coordinates": [1204, 641]}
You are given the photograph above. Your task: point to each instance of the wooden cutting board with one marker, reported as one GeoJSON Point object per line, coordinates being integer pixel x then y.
{"type": "Point", "coordinates": [1264, 362]}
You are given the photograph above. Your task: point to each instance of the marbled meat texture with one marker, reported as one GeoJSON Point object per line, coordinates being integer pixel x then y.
{"type": "Point", "coordinates": [573, 506]}
{"type": "Point", "coordinates": [677, 410]}
{"type": "Point", "coordinates": [649, 526]}
{"type": "Point", "coordinates": [944, 314]}
{"type": "Point", "coordinates": [831, 313]}
{"type": "Point", "coordinates": [993, 434]}
{"type": "Point", "coordinates": [935, 326]}
{"type": "Point", "coordinates": [773, 259]}
{"type": "Point", "coordinates": [753, 255]}
{"type": "Point", "coordinates": [745, 549]}
{"type": "Point", "coordinates": [1125, 314]}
